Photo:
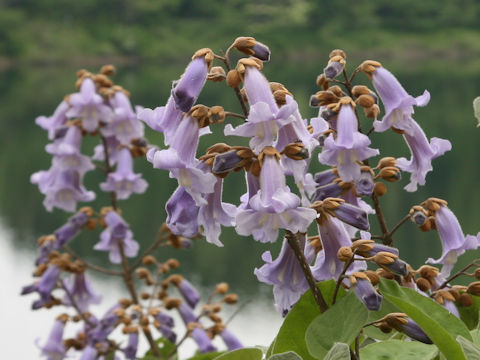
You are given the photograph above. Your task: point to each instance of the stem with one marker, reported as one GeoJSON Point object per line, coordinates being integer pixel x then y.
{"type": "Point", "coordinates": [92, 266]}
{"type": "Point", "coordinates": [75, 305]}
{"type": "Point", "coordinates": [293, 242]}
{"type": "Point", "coordinates": [398, 225]}
{"type": "Point", "coordinates": [340, 278]}
{"type": "Point", "coordinates": [228, 113]}
{"type": "Point", "coordinates": [357, 345]}
{"type": "Point", "coordinates": [387, 240]}
{"type": "Point", "coordinates": [461, 272]}
{"type": "Point", "coordinates": [226, 61]}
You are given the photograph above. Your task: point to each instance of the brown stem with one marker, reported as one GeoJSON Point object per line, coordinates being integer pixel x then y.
{"type": "Point", "coordinates": [75, 305]}
{"type": "Point", "coordinates": [396, 227]}
{"type": "Point", "coordinates": [357, 346]}
{"type": "Point", "coordinates": [387, 240]}
{"type": "Point", "coordinates": [340, 278]}
{"type": "Point", "coordinates": [92, 266]}
{"type": "Point", "coordinates": [226, 61]}
{"type": "Point", "coordinates": [461, 272]}
{"type": "Point", "coordinates": [317, 294]}
{"type": "Point", "coordinates": [240, 116]}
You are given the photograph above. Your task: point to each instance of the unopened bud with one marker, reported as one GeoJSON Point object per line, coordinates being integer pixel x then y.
{"type": "Point", "coordinates": [379, 189]}
{"type": "Point", "coordinates": [372, 112]}
{"type": "Point", "coordinates": [372, 276]}
{"type": "Point", "coordinates": [173, 263]}
{"type": "Point", "coordinates": [233, 79]}
{"type": "Point", "coordinates": [222, 288]}
{"type": "Point", "coordinates": [171, 303]}
{"type": "Point", "coordinates": [477, 273]}
{"type": "Point", "coordinates": [216, 74]}
{"type": "Point", "coordinates": [108, 70]}
{"type": "Point", "coordinates": [466, 300]}
{"type": "Point", "coordinates": [423, 284]}
{"type": "Point", "coordinates": [322, 81]}
{"type": "Point", "coordinates": [390, 174]}
{"type": "Point", "coordinates": [149, 260]}
{"type": "Point", "coordinates": [216, 114]}
{"type": "Point", "coordinates": [365, 101]}
{"type": "Point", "coordinates": [345, 253]}
{"type": "Point", "coordinates": [474, 288]}
{"type": "Point", "coordinates": [231, 299]}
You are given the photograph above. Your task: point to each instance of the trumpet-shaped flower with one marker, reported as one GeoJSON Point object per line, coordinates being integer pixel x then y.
{"type": "Point", "coordinates": [80, 290]}
{"type": "Point", "coordinates": [182, 213]}
{"type": "Point", "coordinates": [55, 122]}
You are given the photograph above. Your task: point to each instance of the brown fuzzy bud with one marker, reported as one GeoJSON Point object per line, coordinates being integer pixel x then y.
{"type": "Point", "coordinates": [359, 90]}
{"type": "Point", "coordinates": [386, 161]}
{"type": "Point", "coordinates": [145, 296]}
{"type": "Point", "coordinates": [215, 318]}
{"type": "Point", "coordinates": [384, 258]}
{"type": "Point", "coordinates": [384, 327]}
{"type": "Point", "coordinates": [108, 70]}
{"type": "Point", "coordinates": [81, 73]}
{"type": "Point", "coordinates": [149, 260]}
{"type": "Point", "coordinates": [216, 74]}
{"type": "Point", "coordinates": [40, 270]}
{"type": "Point", "coordinates": [173, 263]}
{"type": "Point", "coordinates": [207, 53]}
{"type": "Point", "coordinates": [337, 90]}
{"type": "Point", "coordinates": [362, 246]}
{"type": "Point", "coordinates": [296, 151]}
{"type": "Point", "coordinates": [221, 288]}
{"type": "Point", "coordinates": [231, 299]}
{"type": "Point", "coordinates": [477, 273]}
{"type": "Point", "coordinates": [365, 101]}
{"type": "Point", "coordinates": [385, 274]}
{"type": "Point", "coordinates": [345, 253]}
{"type": "Point", "coordinates": [142, 273]}
{"type": "Point", "coordinates": [372, 112]}
{"type": "Point", "coordinates": [372, 276]}
{"type": "Point", "coordinates": [172, 303]}
{"type": "Point", "coordinates": [216, 114]}
{"type": "Point", "coordinates": [369, 66]}
{"type": "Point", "coordinates": [379, 189]}
{"type": "Point", "coordinates": [423, 284]}
{"type": "Point", "coordinates": [322, 82]}
{"type": "Point", "coordinates": [466, 299]}
{"type": "Point", "coordinates": [125, 303]}
{"type": "Point", "coordinates": [428, 272]}
{"type": "Point", "coordinates": [233, 78]}
{"type": "Point", "coordinates": [322, 98]}
{"type": "Point", "coordinates": [102, 81]}
{"type": "Point", "coordinates": [337, 52]}
{"type": "Point", "coordinates": [474, 288]}
{"type": "Point", "coordinates": [216, 308]}
{"type": "Point", "coordinates": [390, 174]}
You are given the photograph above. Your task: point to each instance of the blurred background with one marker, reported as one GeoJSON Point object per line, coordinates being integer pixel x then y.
{"type": "Point", "coordinates": [432, 44]}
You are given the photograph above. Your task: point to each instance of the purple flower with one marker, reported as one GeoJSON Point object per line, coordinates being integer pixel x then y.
{"type": "Point", "coordinates": [124, 181]}
{"type": "Point", "coordinates": [88, 106]}
{"type": "Point", "coordinates": [63, 189]}
{"type": "Point", "coordinates": [182, 213]}
{"type": "Point", "coordinates": [364, 184]}
{"type": "Point", "coordinates": [454, 242]}
{"type": "Point", "coordinates": [422, 155]}
{"type": "Point", "coordinates": [187, 89]}
{"type": "Point", "coordinates": [366, 292]}
{"type": "Point", "coordinates": [89, 353]}
{"type": "Point", "coordinates": [414, 331]}
{"type": "Point", "coordinates": [352, 215]}
{"type": "Point", "coordinates": [112, 148]}
{"type": "Point", "coordinates": [189, 293]}
{"type": "Point", "coordinates": [55, 122]}
{"type": "Point", "coordinates": [253, 185]}
{"type": "Point", "coordinates": [117, 231]}
{"type": "Point", "coordinates": [131, 350]}
{"type": "Point", "coordinates": [273, 207]}
{"type": "Point", "coordinates": [105, 326]}
{"type": "Point", "coordinates": [202, 339]}
{"type": "Point", "coordinates": [44, 287]}
{"type": "Point", "coordinates": [230, 340]}
{"type": "Point", "coordinates": [349, 147]}
{"type": "Point", "coordinates": [186, 313]}
{"type": "Point", "coordinates": [80, 289]}
{"type": "Point", "coordinates": [54, 348]}
{"type": "Point", "coordinates": [398, 103]}
{"type": "Point", "coordinates": [286, 276]}
{"type": "Point", "coordinates": [124, 125]}
{"type": "Point", "coordinates": [216, 213]}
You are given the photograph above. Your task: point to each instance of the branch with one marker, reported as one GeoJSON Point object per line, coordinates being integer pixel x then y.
{"type": "Point", "coordinates": [459, 273]}
{"type": "Point", "coordinates": [340, 277]}
{"type": "Point", "coordinates": [92, 266]}
{"type": "Point", "coordinates": [381, 220]}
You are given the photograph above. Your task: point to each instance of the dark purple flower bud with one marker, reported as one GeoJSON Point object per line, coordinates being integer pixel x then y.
{"type": "Point", "coordinates": [328, 114]}
{"type": "Point", "coordinates": [414, 331]}
{"type": "Point", "coordinates": [28, 289]}
{"type": "Point", "coordinates": [352, 215]}
{"type": "Point", "coordinates": [182, 213]}
{"type": "Point", "coordinates": [226, 161]}
{"type": "Point", "coordinates": [325, 177]}
{"type": "Point", "coordinates": [168, 333]}
{"type": "Point", "coordinates": [186, 313]}
{"type": "Point", "coordinates": [164, 319]}
{"type": "Point", "coordinates": [131, 350]}
{"type": "Point", "coordinates": [366, 292]}
{"type": "Point", "coordinates": [261, 51]}
{"type": "Point", "coordinates": [48, 282]}
{"type": "Point", "coordinates": [419, 217]}
{"type": "Point", "coordinates": [54, 348]}
{"type": "Point", "coordinates": [331, 190]}
{"type": "Point", "coordinates": [189, 293]}
{"type": "Point", "coordinates": [364, 184]}
{"type": "Point", "coordinates": [333, 69]}
{"type": "Point", "coordinates": [188, 88]}
{"type": "Point", "coordinates": [230, 340]}
{"type": "Point", "coordinates": [203, 340]}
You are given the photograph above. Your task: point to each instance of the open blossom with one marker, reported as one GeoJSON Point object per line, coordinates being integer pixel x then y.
{"type": "Point", "coordinates": [182, 213]}
{"type": "Point", "coordinates": [454, 242]}
{"type": "Point", "coordinates": [80, 289]}
{"type": "Point", "coordinates": [398, 103]}
{"type": "Point", "coordinates": [55, 122]}
{"type": "Point", "coordinates": [348, 148]}
{"type": "Point", "coordinates": [423, 153]}
{"type": "Point", "coordinates": [124, 124]}
{"type": "Point", "coordinates": [273, 207]}
{"type": "Point", "coordinates": [117, 231]}
{"type": "Point", "coordinates": [124, 181]}
{"type": "Point", "coordinates": [54, 349]}
{"type": "Point", "coordinates": [286, 276]}
{"type": "Point", "coordinates": [88, 106]}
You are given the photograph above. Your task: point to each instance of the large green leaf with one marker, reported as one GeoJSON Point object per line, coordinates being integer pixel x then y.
{"type": "Point", "coordinates": [291, 355]}
{"type": "Point", "coordinates": [165, 347]}
{"type": "Point", "coordinates": [398, 350]}
{"type": "Point", "coordinates": [207, 356]}
{"type": "Point", "coordinates": [476, 109]}
{"type": "Point", "coordinates": [341, 323]}
{"type": "Point", "coordinates": [437, 322]}
{"type": "Point", "coordinates": [291, 336]}
{"type": "Point", "coordinates": [469, 314]}
{"type": "Point", "coordinates": [242, 354]}
{"type": "Point", "coordinates": [339, 351]}
{"type": "Point", "coordinates": [472, 351]}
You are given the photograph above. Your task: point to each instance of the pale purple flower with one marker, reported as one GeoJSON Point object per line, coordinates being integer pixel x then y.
{"type": "Point", "coordinates": [67, 155]}
{"type": "Point", "coordinates": [55, 122]}
{"type": "Point", "coordinates": [117, 231]}
{"type": "Point", "coordinates": [186, 313]}
{"type": "Point", "coordinates": [112, 148]}
{"type": "Point", "coordinates": [230, 340]}
{"type": "Point", "coordinates": [88, 106]}
{"type": "Point", "coordinates": [454, 242]}
{"type": "Point", "coordinates": [253, 185]}
{"type": "Point", "coordinates": [365, 291]}
{"type": "Point", "coordinates": [273, 207]}
{"type": "Point", "coordinates": [44, 287]}
{"type": "Point", "coordinates": [63, 189]}
{"type": "Point", "coordinates": [450, 306]}
{"type": "Point", "coordinates": [215, 213]}
{"type": "Point", "coordinates": [187, 89]}
{"type": "Point", "coordinates": [105, 326]}
{"type": "Point", "coordinates": [124, 181]}
{"type": "Point", "coordinates": [398, 103]}
{"type": "Point", "coordinates": [164, 319]}
{"type": "Point", "coordinates": [168, 333]}
{"type": "Point", "coordinates": [89, 353]}
{"type": "Point", "coordinates": [80, 289]}
{"type": "Point", "coordinates": [202, 339]}
{"type": "Point", "coordinates": [124, 124]}
{"type": "Point", "coordinates": [189, 293]}
{"type": "Point", "coordinates": [364, 184]}
{"type": "Point", "coordinates": [131, 350]}
{"type": "Point", "coordinates": [54, 349]}
{"type": "Point", "coordinates": [182, 213]}
{"type": "Point", "coordinates": [153, 118]}
{"type": "Point", "coordinates": [357, 202]}
{"type": "Point", "coordinates": [349, 147]}
{"type": "Point", "coordinates": [286, 276]}
{"type": "Point", "coordinates": [423, 153]}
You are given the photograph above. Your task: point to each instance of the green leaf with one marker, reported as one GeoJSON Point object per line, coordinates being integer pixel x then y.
{"type": "Point", "coordinates": [291, 336]}
{"type": "Point", "coordinates": [339, 351]}
{"type": "Point", "coordinates": [437, 322]}
{"type": "Point", "coordinates": [476, 109]}
{"type": "Point", "coordinates": [242, 354]}
{"type": "Point", "coordinates": [475, 336]}
{"type": "Point", "coordinates": [164, 346]}
{"type": "Point", "coordinates": [398, 350]}
{"type": "Point", "coordinates": [386, 308]}
{"type": "Point", "coordinates": [341, 323]}
{"type": "Point", "coordinates": [291, 355]}
{"type": "Point", "coordinates": [207, 356]}
{"type": "Point", "coordinates": [469, 314]}
{"type": "Point", "coordinates": [472, 351]}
